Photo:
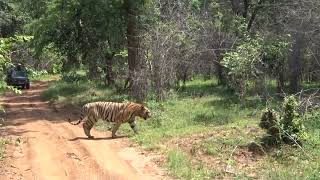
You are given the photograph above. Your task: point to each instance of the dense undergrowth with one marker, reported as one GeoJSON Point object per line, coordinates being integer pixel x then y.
{"type": "Point", "coordinates": [204, 131]}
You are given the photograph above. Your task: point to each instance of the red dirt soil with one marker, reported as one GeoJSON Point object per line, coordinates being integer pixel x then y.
{"type": "Point", "coordinates": [45, 146]}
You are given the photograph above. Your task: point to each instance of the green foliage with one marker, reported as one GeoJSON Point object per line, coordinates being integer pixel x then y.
{"type": "Point", "coordinates": [9, 19]}
{"type": "Point", "coordinates": [51, 59]}
{"type": "Point", "coordinates": [7, 45]}
{"type": "Point", "coordinates": [269, 119]}
{"type": "Point", "coordinates": [270, 122]}
{"type": "Point", "coordinates": [33, 74]}
{"type": "Point", "coordinates": [18, 47]}
{"type": "Point", "coordinates": [244, 64]}
{"type": "Point", "coordinates": [252, 58]}
{"type": "Point", "coordinates": [292, 123]}
{"type": "Point", "coordinates": [276, 47]}
{"type": "Point", "coordinates": [196, 4]}
{"type": "Point", "coordinates": [123, 53]}
{"type": "Point", "coordinates": [312, 119]}
{"type": "Point", "coordinates": [224, 19]}
{"type": "Point", "coordinates": [78, 27]}
{"type": "Point", "coordinates": [245, 59]}
{"type": "Point", "coordinates": [33, 9]}
{"type": "Point", "coordinates": [286, 128]}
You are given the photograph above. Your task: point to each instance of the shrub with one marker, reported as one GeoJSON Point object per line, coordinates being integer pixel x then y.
{"type": "Point", "coordinates": [270, 122]}
{"type": "Point", "coordinates": [286, 128]}
{"type": "Point", "coordinates": [291, 121]}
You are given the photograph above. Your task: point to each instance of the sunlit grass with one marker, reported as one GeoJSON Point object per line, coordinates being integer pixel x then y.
{"type": "Point", "coordinates": [45, 77]}
{"type": "Point", "coordinates": [80, 93]}
{"type": "Point", "coordinates": [181, 167]}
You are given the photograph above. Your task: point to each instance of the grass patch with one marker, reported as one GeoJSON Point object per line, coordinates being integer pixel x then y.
{"type": "Point", "coordinates": [219, 145]}
{"type": "Point", "coordinates": [289, 163]}
{"type": "Point", "coordinates": [181, 167]}
{"type": "Point", "coordinates": [80, 93]}
{"type": "Point", "coordinates": [45, 77]}
{"type": "Point", "coordinates": [296, 163]}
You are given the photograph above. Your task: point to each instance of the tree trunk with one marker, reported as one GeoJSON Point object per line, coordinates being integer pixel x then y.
{"type": "Point", "coordinates": [132, 40]}
{"type": "Point", "coordinates": [137, 76]}
{"type": "Point", "coordinates": [296, 62]}
{"type": "Point", "coordinates": [93, 57]}
{"type": "Point", "coordinates": [280, 82]}
{"type": "Point", "coordinates": [221, 78]}
{"type": "Point", "coordinates": [157, 78]}
{"type": "Point", "coordinates": [261, 86]}
{"type": "Point", "coordinates": [280, 78]}
{"type": "Point", "coordinates": [254, 14]}
{"type": "Point", "coordinates": [236, 7]}
{"type": "Point", "coordinates": [109, 74]}
{"type": "Point", "coordinates": [219, 68]}
{"type": "Point", "coordinates": [139, 88]}
{"type": "Point", "coordinates": [246, 7]}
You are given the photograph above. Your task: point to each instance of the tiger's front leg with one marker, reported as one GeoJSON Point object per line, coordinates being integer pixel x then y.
{"type": "Point", "coordinates": [87, 126]}
{"type": "Point", "coordinates": [134, 127]}
{"type": "Point", "coordinates": [115, 129]}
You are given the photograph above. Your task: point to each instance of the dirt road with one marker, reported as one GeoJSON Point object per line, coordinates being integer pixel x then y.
{"type": "Point", "coordinates": [46, 147]}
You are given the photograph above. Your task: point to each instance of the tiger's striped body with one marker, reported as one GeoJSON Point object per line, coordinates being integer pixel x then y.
{"type": "Point", "coordinates": [117, 113]}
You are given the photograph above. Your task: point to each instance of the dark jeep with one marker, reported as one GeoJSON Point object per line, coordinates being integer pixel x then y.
{"type": "Point", "coordinates": [18, 76]}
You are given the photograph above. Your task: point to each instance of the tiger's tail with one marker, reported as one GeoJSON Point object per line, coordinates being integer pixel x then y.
{"type": "Point", "coordinates": [74, 123]}
{"type": "Point", "coordinates": [79, 121]}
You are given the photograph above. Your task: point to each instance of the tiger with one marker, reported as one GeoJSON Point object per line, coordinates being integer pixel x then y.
{"type": "Point", "coordinates": [117, 113]}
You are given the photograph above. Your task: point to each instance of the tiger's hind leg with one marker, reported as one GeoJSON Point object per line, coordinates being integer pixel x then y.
{"type": "Point", "coordinates": [87, 126]}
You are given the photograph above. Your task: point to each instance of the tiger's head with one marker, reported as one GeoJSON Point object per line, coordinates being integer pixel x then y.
{"type": "Point", "coordinates": [144, 112]}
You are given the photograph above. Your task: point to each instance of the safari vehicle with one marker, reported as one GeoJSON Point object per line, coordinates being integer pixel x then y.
{"type": "Point", "coordinates": [18, 76]}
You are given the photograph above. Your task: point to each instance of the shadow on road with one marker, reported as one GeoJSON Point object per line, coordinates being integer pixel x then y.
{"type": "Point", "coordinates": [96, 138]}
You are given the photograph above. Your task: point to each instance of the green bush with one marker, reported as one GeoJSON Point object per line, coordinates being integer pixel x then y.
{"type": "Point", "coordinates": [270, 122]}
{"type": "Point", "coordinates": [286, 128]}
{"type": "Point", "coordinates": [34, 73]}
{"type": "Point", "coordinates": [292, 123]}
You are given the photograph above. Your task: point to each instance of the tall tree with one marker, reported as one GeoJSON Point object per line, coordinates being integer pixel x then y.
{"type": "Point", "coordinates": [132, 8]}
{"type": "Point", "coordinates": [80, 28]}
{"type": "Point", "coordinates": [296, 62]}
{"type": "Point", "coordinates": [9, 22]}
